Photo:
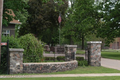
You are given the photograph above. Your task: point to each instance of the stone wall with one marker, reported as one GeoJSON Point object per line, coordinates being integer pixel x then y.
{"type": "Point", "coordinates": [16, 61]}
{"type": "Point", "coordinates": [94, 53]}
{"type": "Point", "coordinates": [49, 67]}
{"type": "Point", "coordinates": [70, 52]}
{"type": "Point", "coordinates": [17, 65]}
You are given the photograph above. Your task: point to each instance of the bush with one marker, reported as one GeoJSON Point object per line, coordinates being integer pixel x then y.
{"type": "Point", "coordinates": [49, 58]}
{"type": "Point", "coordinates": [83, 63]}
{"type": "Point", "coordinates": [61, 58]}
{"type": "Point", "coordinates": [13, 43]}
{"type": "Point", "coordinates": [33, 50]}
{"type": "Point", "coordinates": [79, 58]}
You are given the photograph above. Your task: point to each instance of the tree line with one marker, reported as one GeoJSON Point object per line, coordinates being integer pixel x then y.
{"type": "Point", "coordinates": [80, 19]}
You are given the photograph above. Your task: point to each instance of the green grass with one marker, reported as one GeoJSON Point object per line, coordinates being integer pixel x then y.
{"type": "Point", "coordinates": [81, 70]}
{"type": "Point", "coordinates": [80, 51]}
{"type": "Point", "coordinates": [88, 70]}
{"type": "Point", "coordinates": [111, 54]}
{"type": "Point", "coordinates": [68, 78]}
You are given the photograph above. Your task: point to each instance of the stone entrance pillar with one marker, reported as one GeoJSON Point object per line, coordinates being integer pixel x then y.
{"type": "Point", "coordinates": [94, 53]}
{"type": "Point", "coordinates": [16, 61]}
{"type": "Point", "coordinates": [70, 52]}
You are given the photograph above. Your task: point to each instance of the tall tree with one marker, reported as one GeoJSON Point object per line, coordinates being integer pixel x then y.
{"type": "Point", "coordinates": [82, 20]}
{"type": "Point", "coordinates": [1, 12]}
{"type": "Point", "coordinates": [43, 19]}
{"type": "Point", "coordinates": [110, 28]}
{"type": "Point", "coordinates": [66, 31]}
{"type": "Point", "coordinates": [17, 6]}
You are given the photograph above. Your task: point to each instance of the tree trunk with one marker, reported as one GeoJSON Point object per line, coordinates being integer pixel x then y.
{"type": "Point", "coordinates": [71, 41]}
{"type": "Point", "coordinates": [1, 12]}
{"type": "Point", "coordinates": [82, 42]}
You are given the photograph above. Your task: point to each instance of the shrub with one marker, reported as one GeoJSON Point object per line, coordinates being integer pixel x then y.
{"type": "Point", "coordinates": [61, 58]}
{"type": "Point", "coordinates": [79, 58]}
{"type": "Point", "coordinates": [49, 58]}
{"type": "Point", "coordinates": [33, 50]}
{"type": "Point", "coordinates": [83, 63]}
{"type": "Point", "coordinates": [13, 43]}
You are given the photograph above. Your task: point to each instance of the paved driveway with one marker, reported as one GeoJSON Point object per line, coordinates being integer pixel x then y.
{"type": "Point", "coordinates": [109, 63]}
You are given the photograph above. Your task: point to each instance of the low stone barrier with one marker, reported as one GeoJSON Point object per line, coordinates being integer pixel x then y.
{"type": "Point", "coordinates": [16, 64]}
{"type": "Point", "coordinates": [49, 67]}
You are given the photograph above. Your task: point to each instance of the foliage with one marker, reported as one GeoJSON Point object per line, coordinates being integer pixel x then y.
{"type": "Point", "coordinates": [49, 58]}
{"type": "Point", "coordinates": [13, 43]}
{"type": "Point", "coordinates": [79, 58]}
{"type": "Point", "coordinates": [61, 58]}
{"type": "Point", "coordinates": [81, 20]}
{"type": "Point", "coordinates": [33, 50]}
{"type": "Point", "coordinates": [82, 63]}
{"type": "Point", "coordinates": [18, 7]}
{"type": "Point", "coordinates": [109, 28]}
{"type": "Point", "coordinates": [43, 19]}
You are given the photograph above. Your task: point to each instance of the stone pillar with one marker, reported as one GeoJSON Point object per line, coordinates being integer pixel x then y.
{"type": "Point", "coordinates": [94, 53]}
{"type": "Point", "coordinates": [15, 61]}
{"type": "Point", "coordinates": [70, 52]}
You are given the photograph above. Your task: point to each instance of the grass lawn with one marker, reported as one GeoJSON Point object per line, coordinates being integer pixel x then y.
{"type": "Point", "coordinates": [111, 54]}
{"type": "Point", "coordinates": [80, 51]}
{"type": "Point", "coordinates": [81, 70]}
{"type": "Point", "coordinates": [88, 69]}
{"type": "Point", "coordinates": [68, 78]}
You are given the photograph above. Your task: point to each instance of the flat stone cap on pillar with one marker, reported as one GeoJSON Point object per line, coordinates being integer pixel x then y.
{"type": "Point", "coordinates": [70, 45]}
{"type": "Point", "coordinates": [89, 42]}
{"type": "Point", "coordinates": [16, 49]}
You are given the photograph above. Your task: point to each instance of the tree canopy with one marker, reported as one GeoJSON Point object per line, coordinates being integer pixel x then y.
{"type": "Point", "coordinates": [43, 19]}
{"type": "Point", "coordinates": [81, 20]}
{"type": "Point", "coordinates": [110, 27]}
{"type": "Point", "coordinates": [17, 6]}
